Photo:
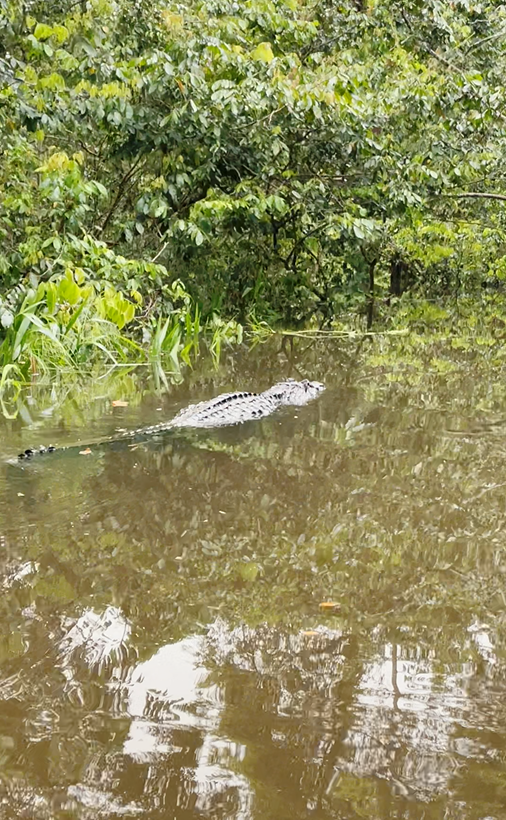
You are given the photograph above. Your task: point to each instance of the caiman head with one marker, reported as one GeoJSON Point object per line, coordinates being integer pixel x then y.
{"type": "Point", "coordinates": [293, 392]}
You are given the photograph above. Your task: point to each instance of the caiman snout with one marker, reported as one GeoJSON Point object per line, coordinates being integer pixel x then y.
{"type": "Point", "coordinates": [317, 387]}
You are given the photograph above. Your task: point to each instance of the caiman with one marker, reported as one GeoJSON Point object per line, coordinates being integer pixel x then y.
{"type": "Point", "coordinates": [222, 411]}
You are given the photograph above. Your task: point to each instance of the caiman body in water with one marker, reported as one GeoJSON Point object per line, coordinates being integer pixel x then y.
{"type": "Point", "coordinates": [222, 411]}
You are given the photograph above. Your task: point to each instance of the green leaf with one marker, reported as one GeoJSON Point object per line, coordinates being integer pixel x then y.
{"type": "Point", "coordinates": [263, 53]}
{"type": "Point", "coordinates": [61, 33]}
{"type": "Point", "coordinates": [68, 291]}
{"type": "Point", "coordinates": [51, 296]}
{"type": "Point", "coordinates": [42, 31]}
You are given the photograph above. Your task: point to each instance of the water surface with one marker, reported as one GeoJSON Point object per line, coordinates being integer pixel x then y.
{"type": "Point", "coordinates": [299, 617]}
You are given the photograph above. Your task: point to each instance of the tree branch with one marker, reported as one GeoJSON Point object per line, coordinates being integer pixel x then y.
{"type": "Point", "coordinates": [477, 195]}
{"type": "Point", "coordinates": [477, 43]}
{"type": "Point", "coordinates": [119, 193]}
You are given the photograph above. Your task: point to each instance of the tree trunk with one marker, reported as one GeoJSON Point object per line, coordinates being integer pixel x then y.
{"type": "Point", "coordinates": [370, 302]}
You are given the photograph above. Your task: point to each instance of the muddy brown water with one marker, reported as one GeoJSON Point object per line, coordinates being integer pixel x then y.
{"type": "Point", "coordinates": [300, 617]}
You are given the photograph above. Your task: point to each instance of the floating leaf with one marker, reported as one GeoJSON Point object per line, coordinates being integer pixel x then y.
{"type": "Point", "coordinates": [249, 571]}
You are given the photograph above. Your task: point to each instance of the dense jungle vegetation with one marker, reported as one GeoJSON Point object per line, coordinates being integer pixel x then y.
{"type": "Point", "coordinates": [167, 168]}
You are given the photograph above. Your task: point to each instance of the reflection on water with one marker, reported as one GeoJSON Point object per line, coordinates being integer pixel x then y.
{"type": "Point", "coordinates": [163, 648]}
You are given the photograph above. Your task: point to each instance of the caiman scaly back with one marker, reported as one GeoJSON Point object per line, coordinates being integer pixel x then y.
{"type": "Point", "coordinates": [222, 411]}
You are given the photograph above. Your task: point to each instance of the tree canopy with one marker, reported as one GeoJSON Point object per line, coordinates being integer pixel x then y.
{"type": "Point", "coordinates": [278, 160]}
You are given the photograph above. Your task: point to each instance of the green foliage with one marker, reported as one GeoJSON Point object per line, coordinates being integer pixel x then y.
{"type": "Point", "coordinates": [286, 162]}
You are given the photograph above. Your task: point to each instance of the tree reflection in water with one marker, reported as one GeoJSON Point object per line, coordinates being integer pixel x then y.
{"type": "Point", "coordinates": [163, 652]}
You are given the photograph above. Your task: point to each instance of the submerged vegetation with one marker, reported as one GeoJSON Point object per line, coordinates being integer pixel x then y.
{"type": "Point", "coordinates": [167, 169]}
